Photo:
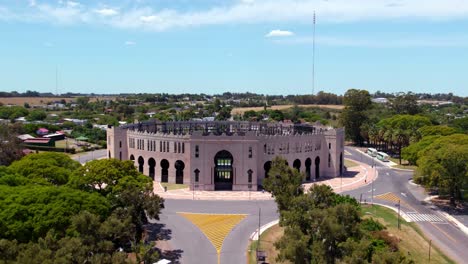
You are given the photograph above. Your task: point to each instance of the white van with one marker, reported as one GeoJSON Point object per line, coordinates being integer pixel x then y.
{"type": "Point", "coordinates": [372, 152]}
{"type": "Point", "coordinates": [382, 156]}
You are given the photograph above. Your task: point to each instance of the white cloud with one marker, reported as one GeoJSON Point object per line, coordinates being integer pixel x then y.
{"type": "Point", "coordinates": [129, 43]}
{"type": "Point", "coordinates": [140, 16]}
{"type": "Point", "coordinates": [107, 12]}
{"type": "Point", "coordinates": [73, 4]}
{"type": "Point", "coordinates": [148, 19]}
{"type": "Point", "coordinates": [279, 33]}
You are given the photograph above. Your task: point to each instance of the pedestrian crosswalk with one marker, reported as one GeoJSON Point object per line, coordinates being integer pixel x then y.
{"type": "Point", "coordinates": [416, 217]}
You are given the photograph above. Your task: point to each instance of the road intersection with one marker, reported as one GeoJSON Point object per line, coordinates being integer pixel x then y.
{"type": "Point", "coordinates": [389, 188]}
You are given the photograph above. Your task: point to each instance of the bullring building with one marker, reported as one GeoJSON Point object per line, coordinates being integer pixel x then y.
{"type": "Point", "coordinates": [226, 155]}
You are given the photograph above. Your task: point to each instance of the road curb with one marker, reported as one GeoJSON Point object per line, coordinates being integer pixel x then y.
{"type": "Point", "coordinates": [254, 235]}
{"type": "Point", "coordinates": [398, 169]}
{"type": "Point", "coordinates": [455, 221]}
{"type": "Point", "coordinates": [402, 214]}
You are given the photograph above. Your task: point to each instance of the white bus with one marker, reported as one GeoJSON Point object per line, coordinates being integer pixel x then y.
{"type": "Point", "coordinates": [372, 152]}
{"type": "Point", "coordinates": [382, 156]}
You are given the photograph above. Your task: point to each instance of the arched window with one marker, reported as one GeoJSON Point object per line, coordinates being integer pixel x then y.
{"type": "Point", "coordinates": [329, 160]}
{"type": "Point", "coordinates": [197, 151]}
{"type": "Point", "coordinates": [249, 176]}
{"type": "Point", "coordinates": [197, 175]}
{"type": "Point", "coordinates": [250, 152]}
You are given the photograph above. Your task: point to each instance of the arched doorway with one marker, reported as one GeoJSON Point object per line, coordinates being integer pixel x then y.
{"type": "Point", "coordinates": [179, 166]}
{"type": "Point", "coordinates": [317, 167]}
{"type": "Point", "coordinates": [223, 177]}
{"type": "Point", "coordinates": [164, 170]}
{"type": "Point", "coordinates": [341, 164]}
{"type": "Point", "coordinates": [152, 165]}
{"type": "Point", "coordinates": [267, 167]}
{"type": "Point", "coordinates": [109, 154]}
{"type": "Point", "coordinates": [308, 163]}
{"type": "Point", "coordinates": [141, 163]}
{"type": "Point", "coordinates": [297, 165]}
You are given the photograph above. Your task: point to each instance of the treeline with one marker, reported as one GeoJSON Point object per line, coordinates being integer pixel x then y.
{"type": "Point", "coordinates": [28, 93]}
{"type": "Point", "coordinates": [425, 96]}
{"type": "Point", "coordinates": [53, 210]}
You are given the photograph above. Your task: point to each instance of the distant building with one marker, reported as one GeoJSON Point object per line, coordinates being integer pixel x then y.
{"type": "Point", "coordinates": [44, 142]}
{"type": "Point", "coordinates": [380, 100]}
{"type": "Point", "coordinates": [222, 155]}
{"type": "Point", "coordinates": [42, 131]}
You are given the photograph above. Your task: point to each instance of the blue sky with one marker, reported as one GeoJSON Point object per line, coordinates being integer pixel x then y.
{"type": "Point", "coordinates": [214, 46]}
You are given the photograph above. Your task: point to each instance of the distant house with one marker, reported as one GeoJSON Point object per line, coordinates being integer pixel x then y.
{"type": "Point", "coordinates": [25, 137]}
{"type": "Point", "coordinates": [20, 119]}
{"type": "Point", "coordinates": [55, 136]}
{"type": "Point", "coordinates": [42, 131]}
{"type": "Point", "coordinates": [45, 142]}
{"type": "Point", "coordinates": [380, 100]}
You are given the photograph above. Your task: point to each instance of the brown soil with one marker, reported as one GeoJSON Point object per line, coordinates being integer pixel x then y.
{"type": "Point", "coordinates": [242, 110]}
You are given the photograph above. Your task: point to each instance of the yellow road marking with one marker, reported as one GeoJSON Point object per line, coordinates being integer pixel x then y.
{"type": "Point", "coordinates": [215, 227]}
{"type": "Point", "coordinates": [392, 198]}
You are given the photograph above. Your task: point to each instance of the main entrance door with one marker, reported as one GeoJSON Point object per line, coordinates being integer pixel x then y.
{"type": "Point", "coordinates": [223, 177]}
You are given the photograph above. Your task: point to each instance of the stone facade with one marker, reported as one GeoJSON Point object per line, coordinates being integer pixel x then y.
{"type": "Point", "coordinates": [225, 155]}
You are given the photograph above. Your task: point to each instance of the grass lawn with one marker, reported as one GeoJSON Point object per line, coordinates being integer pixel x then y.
{"type": "Point", "coordinates": [349, 163]}
{"type": "Point", "coordinates": [413, 243]}
{"type": "Point", "coordinates": [404, 164]}
{"type": "Point", "coordinates": [267, 239]}
{"type": "Point", "coordinates": [173, 186]}
{"type": "Point", "coordinates": [412, 240]}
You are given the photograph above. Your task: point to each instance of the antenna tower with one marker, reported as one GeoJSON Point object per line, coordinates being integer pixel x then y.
{"type": "Point", "coordinates": [313, 60]}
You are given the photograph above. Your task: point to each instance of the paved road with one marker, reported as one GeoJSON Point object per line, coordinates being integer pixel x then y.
{"type": "Point", "coordinates": [444, 234]}
{"type": "Point", "coordinates": [91, 155]}
{"type": "Point", "coordinates": [195, 247]}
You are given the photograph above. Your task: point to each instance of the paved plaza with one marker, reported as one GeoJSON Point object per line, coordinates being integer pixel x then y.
{"type": "Point", "coordinates": [353, 178]}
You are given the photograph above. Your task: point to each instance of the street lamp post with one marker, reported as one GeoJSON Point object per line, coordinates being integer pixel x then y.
{"type": "Point", "coordinates": [372, 184]}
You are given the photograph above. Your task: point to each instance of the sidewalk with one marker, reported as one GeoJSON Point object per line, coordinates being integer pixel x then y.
{"type": "Point", "coordinates": [353, 178]}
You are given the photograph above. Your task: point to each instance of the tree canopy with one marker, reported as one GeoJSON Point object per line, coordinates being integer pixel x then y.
{"type": "Point", "coordinates": [53, 210]}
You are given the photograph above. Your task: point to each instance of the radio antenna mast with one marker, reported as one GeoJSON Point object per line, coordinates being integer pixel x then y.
{"type": "Point", "coordinates": [313, 60]}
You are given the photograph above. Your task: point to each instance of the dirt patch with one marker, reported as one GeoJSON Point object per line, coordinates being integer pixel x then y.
{"type": "Point", "coordinates": [242, 110]}
{"type": "Point", "coordinates": [444, 204]}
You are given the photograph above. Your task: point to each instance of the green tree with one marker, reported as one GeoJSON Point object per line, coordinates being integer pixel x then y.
{"type": "Point", "coordinates": [127, 190]}
{"type": "Point", "coordinates": [46, 168]}
{"type": "Point", "coordinates": [36, 115]}
{"type": "Point", "coordinates": [405, 103]}
{"type": "Point", "coordinates": [445, 165]}
{"type": "Point", "coordinates": [29, 212]}
{"type": "Point", "coordinates": [356, 102]}
{"type": "Point", "coordinates": [10, 146]}
{"type": "Point", "coordinates": [283, 183]}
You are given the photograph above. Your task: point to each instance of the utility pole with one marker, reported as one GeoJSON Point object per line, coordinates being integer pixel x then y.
{"type": "Point", "coordinates": [258, 233]}
{"type": "Point", "coordinates": [372, 183]}
{"type": "Point", "coordinates": [399, 227]}
{"type": "Point", "coordinates": [430, 245]}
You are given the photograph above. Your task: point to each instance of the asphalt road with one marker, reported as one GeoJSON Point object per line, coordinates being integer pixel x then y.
{"type": "Point", "coordinates": [443, 234]}
{"type": "Point", "coordinates": [91, 155]}
{"type": "Point", "coordinates": [191, 245]}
